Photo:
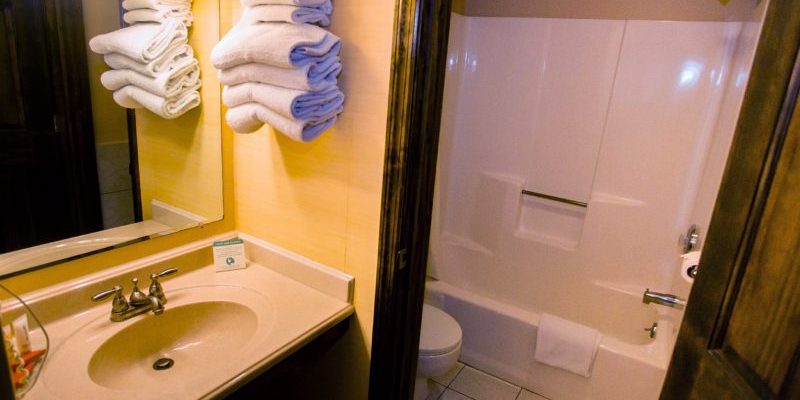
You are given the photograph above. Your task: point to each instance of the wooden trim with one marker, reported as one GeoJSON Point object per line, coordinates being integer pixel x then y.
{"type": "Point", "coordinates": [762, 125]}
{"type": "Point", "coordinates": [133, 149]}
{"type": "Point", "coordinates": [762, 190]}
{"type": "Point", "coordinates": [459, 7]}
{"type": "Point", "coordinates": [417, 83]}
{"type": "Point", "coordinates": [133, 166]}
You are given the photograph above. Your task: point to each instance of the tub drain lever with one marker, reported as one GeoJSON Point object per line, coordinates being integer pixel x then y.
{"type": "Point", "coordinates": [653, 330]}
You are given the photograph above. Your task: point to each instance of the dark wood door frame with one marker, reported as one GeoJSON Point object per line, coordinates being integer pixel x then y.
{"type": "Point", "coordinates": [702, 365]}
{"type": "Point", "coordinates": [415, 102]}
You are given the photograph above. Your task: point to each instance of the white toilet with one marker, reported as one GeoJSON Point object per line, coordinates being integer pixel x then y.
{"type": "Point", "coordinates": [439, 347]}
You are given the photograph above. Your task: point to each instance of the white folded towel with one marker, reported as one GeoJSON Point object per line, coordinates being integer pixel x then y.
{"type": "Point", "coordinates": [299, 3]}
{"type": "Point", "coordinates": [276, 44]}
{"type": "Point", "coordinates": [290, 14]}
{"type": "Point", "coordinates": [289, 103]}
{"type": "Point", "coordinates": [149, 15]}
{"type": "Point", "coordinates": [248, 117]}
{"type": "Point", "coordinates": [142, 42]}
{"type": "Point", "coordinates": [167, 84]}
{"type": "Point", "coordinates": [565, 344]}
{"type": "Point", "coordinates": [314, 77]}
{"type": "Point", "coordinates": [174, 58]}
{"type": "Point", "coordinates": [154, 4]}
{"type": "Point", "coordinates": [173, 107]}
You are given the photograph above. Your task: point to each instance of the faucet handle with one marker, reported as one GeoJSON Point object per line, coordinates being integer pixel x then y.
{"type": "Point", "coordinates": [117, 290]}
{"type": "Point", "coordinates": [168, 271]}
{"type": "Point", "coordinates": [119, 304]}
{"type": "Point", "coordinates": [155, 287]}
{"type": "Point", "coordinates": [137, 297]}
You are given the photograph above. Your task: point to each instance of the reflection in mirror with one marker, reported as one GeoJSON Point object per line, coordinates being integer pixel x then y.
{"type": "Point", "coordinates": [80, 173]}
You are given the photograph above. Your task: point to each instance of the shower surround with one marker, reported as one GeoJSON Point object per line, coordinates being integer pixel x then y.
{"type": "Point", "coordinates": [633, 118]}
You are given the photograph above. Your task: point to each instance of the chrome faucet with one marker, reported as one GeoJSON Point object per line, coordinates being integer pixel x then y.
{"type": "Point", "coordinates": [664, 299]}
{"type": "Point", "coordinates": [122, 309]}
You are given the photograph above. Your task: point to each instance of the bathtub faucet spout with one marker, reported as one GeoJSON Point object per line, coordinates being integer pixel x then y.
{"type": "Point", "coordinates": [664, 299]}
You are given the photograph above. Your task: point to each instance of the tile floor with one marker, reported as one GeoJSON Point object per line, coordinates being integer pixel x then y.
{"type": "Point", "coordinates": [466, 383]}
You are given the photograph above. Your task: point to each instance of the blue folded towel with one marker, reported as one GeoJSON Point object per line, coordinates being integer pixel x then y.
{"type": "Point", "coordinates": [249, 117]}
{"type": "Point", "coordinates": [291, 14]}
{"type": "Point", "coordinates": [289, 103]}
{"type": "Point", "coordinates": [275, 43]}
{"type": "Point", "coordinates": [313, 77]}
{"type": "Point", "coordinates": [300, 3]}
{"type": "Point", "coordinates": [314, 105]}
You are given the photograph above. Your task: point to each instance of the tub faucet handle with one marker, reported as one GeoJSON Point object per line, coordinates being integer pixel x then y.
{"type": "Point", "coordinates": [653, 330]}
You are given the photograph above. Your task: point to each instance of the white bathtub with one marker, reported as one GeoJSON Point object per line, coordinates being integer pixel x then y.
{"type": "Point", "coordinates": [499, 339]}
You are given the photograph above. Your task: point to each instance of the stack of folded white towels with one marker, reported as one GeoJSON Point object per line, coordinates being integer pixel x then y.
{"type": "Point", "coordinates": [153, 66]}
{"type": "Point", "coordinates": [157, 11]}
{"type": "Point", "coordinates": [279, 68]}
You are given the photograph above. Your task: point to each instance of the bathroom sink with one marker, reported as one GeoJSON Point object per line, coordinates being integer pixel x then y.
{"type": "Point", "coordinates": [172, 345]}
{"type": "Point", "coordinates": [204, 332]}
{"type": "Point", "coordinates": [218, 330]}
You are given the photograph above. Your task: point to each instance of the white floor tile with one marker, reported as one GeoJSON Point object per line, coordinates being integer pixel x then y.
{"type": "Point", "coordinates": [526, 395]}
{"type": "Point", "coordinates": [447, 377]}
{"type": "Point", "coordinates": [453, 395]}
{"type": "Point", "coordinates": [435, 390]}
{"type": "Point", "coordinates": [482, 386]}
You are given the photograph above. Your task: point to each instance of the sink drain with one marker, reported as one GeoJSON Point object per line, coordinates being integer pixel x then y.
{"type": "Point", "coordinates": [163, 363]}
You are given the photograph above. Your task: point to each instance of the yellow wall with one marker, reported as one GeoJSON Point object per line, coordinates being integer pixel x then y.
{"type": "Point", "coordinates": [179, 159]}
{"type": "Point", "coordinates": [322, 199]}
{"type": "Point", "coordinates": [109, 119]}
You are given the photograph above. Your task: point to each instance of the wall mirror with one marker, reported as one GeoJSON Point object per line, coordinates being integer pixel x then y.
{"type": "Point", "coordinates": [80, 174]}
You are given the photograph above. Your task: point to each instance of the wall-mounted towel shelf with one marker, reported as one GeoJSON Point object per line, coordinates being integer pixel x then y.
{"type": "Point", "coordinates": [554, 198]}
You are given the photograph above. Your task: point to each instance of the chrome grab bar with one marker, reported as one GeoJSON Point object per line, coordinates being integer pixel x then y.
{"type": "Point", "coordinates": [554, 198]}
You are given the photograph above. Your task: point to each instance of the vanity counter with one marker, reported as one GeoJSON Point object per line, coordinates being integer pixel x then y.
{"type": "Point", "coordinates": [220, 329]}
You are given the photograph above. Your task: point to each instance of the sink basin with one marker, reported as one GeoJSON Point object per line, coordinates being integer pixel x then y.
{"type": "Point", "coordinates": [205, 332]}
{"type": "Point", "coordinates": [188, 335]}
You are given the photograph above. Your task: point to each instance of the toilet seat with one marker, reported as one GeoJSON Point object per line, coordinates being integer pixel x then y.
{"type": "Point", "coordinates": [440, 333]}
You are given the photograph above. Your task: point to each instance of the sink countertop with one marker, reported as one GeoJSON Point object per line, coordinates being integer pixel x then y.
{"type": "Point", "coordinates": [294, 314]}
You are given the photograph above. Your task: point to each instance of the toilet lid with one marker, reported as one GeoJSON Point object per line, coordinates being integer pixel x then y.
{"type": "Point", "coordinates": [440, 333]}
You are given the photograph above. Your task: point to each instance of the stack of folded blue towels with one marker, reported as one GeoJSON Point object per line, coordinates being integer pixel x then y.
{"type": "Point", "coordinates": [279, 68]}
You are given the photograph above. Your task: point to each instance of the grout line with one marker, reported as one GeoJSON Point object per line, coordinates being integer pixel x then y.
{"type": "Point", "coordinates": [446, 388]}
{"type": "Point", "coordinates": [486, 373]}
{"type": "Point", "coordinates": [519, 388]}
{"type": "Point", "coordinates": [442, 393]}
{"type": "Point", "coordinates": [472, 398]}
{"type": "Point", "coordinates": [456, 377]}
